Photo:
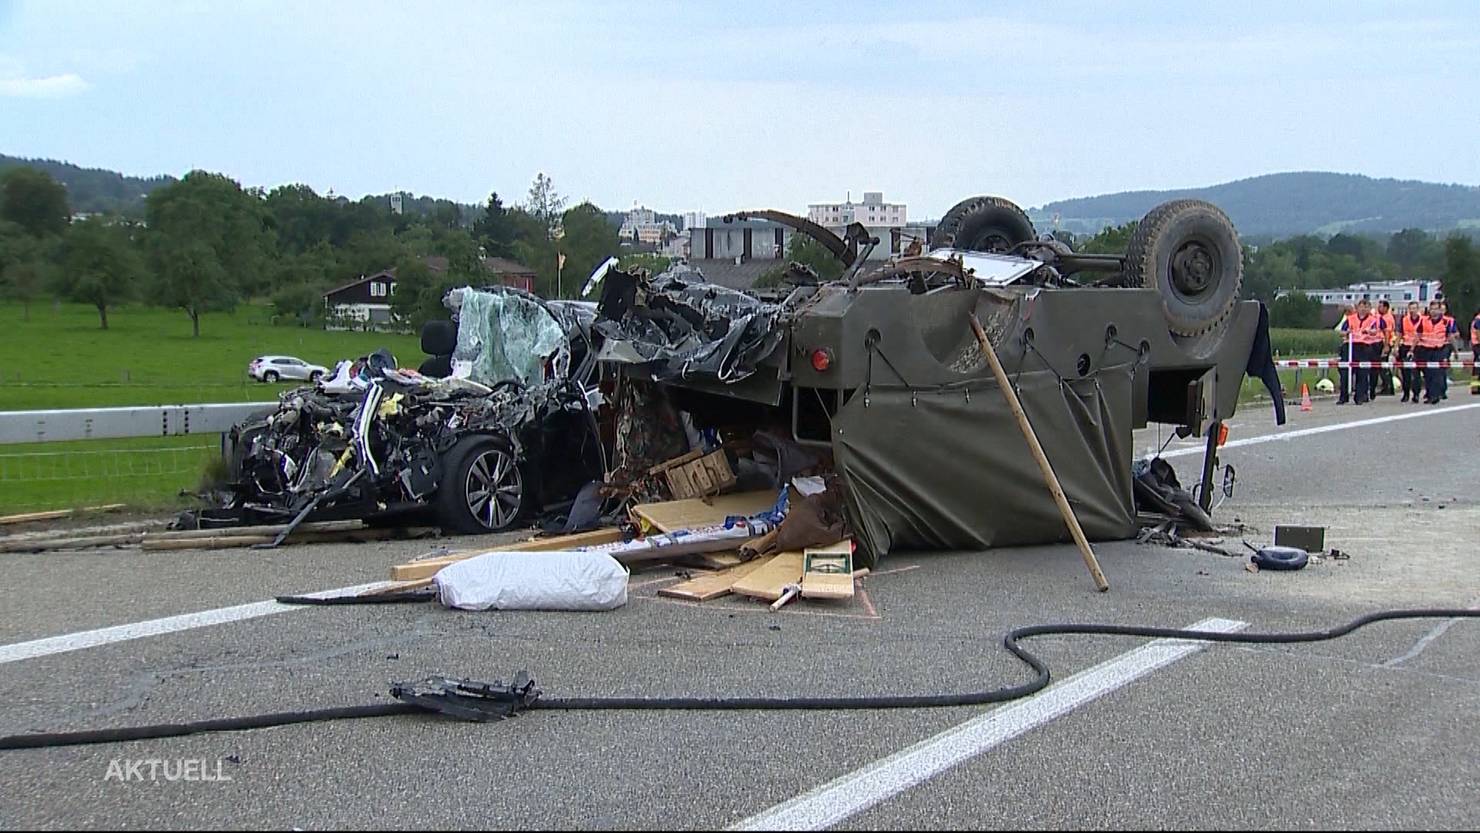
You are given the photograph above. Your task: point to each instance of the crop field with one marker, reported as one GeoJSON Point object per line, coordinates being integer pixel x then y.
{"type": "Point", "coordinates": [60, 358]}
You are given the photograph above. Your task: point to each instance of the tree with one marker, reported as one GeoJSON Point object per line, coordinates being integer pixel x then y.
{"type": "Point", "coordinates": [300, 217]}
{"type": "Point", "coordinates": [588, 240]}
{"type": "Point", "coordinates": [1409, 247]}
{"type": "Point", "coordinates": [1461, 278]}
{"type": "Point", "coordinates": [805, 251]}
{"type": "Point", "coordinates": [495, 229]}
{"type": "Point", "coordinates": [24, 265]}
{"type": "Point", "coordinates": [210, 243]}
{"type": "Point", "coordinates": [1111, 240]}
{"type": "Point", "coordinates": [100, 265]}
{"type": "Point", "coordinates": [418, 296]}
{"type": "Point", "coordinates": [1297, 310]}
{"type": "Point", "coordinates": [545, 204]}
{"type": "Point", "coordinates": [34, 201]}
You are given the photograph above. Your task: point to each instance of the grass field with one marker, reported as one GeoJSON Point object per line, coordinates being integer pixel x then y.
{"type": "Point", "coordinates": [61, 359]}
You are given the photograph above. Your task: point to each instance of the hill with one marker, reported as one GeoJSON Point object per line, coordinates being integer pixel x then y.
{"type": "Point", "coordinates": [94, 190]}
{"type": "Point", "coordinates": [1286, 204]}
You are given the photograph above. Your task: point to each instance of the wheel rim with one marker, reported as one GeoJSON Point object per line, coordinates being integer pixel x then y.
{"type": "Point", "coordinates": [494, 489]}
{"type": "Point", "coordinates": [1194, 268]}
{"type": "Point", "coordinates": [991, 240]}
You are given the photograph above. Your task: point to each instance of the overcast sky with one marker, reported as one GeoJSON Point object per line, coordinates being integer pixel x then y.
{"type": "Point", "coordinates": [721, 106]}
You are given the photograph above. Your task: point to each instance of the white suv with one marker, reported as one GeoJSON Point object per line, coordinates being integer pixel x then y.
{"type": "Point", "coordinates": [273, 368]}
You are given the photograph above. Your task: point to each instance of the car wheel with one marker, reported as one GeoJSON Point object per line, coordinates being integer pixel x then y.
{"type": "Point", "coordinates": [485, 488]}
{"type": "Point", "coordinates": [1189, 251]}
{"type": "Point", "coordinates": [984, 224]}
{"type": "Point", "coordinates": [270, 376]}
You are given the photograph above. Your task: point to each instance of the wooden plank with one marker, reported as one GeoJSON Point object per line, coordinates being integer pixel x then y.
{"type": "Point", "coordinates": [827, 572]}
{"type": "Point", "coordinates": [704, 588]}
{"type": "Point", "coordinates": [677, 461]}
{"type": "Point", "coordinates": [771, 579]}
{"type": "Point", "coordinates": [77, 543]}
{"type": "Point", "coordinates": [399, 587]}
{"type": "Point", "coordinates": [429, 567]}
{"type": "Point", "coordinates": [270, 529]}
{"type": "Point", "coordinates": [694, 512]}
{"type": "Point", "coordinates": [716, 560]}
{"type": "Point", "coordinates": [54, 514]}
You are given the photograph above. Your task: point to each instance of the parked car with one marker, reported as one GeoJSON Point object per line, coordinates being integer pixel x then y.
{"type": "Point", "coordinates": [273, 368]}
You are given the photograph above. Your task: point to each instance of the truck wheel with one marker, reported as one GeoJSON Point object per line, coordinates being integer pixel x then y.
{"type": "Point", "coordinates": [484, 488]}
{"type": "Point", "coordinates": [984, 224]}
{"type": "Point", "coordinates": [1189, 251]}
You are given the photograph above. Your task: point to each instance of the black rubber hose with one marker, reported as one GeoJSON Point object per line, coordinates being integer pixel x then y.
{"type": "Point", "coordinates": [907, 701]}
{"type": "Point", "coordinates": [230, 724]}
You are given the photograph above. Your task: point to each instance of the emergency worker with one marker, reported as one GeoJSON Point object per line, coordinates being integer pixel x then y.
{"type": "Point", "coordinates": [1437, 336]}
{"type": "Point", "coordinates": [1364, 333]}
{"type": "Point", "coordinates": [1407, 338]}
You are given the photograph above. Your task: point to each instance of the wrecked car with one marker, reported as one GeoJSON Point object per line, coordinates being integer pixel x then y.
{"type": "Point", "coordinates": [496, 426]}
{"type": "Point", "coordinates": [881, 373]}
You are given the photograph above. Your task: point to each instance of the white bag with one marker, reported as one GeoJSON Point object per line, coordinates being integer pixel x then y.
{"type": "Point", "coordinates": [533, 581]}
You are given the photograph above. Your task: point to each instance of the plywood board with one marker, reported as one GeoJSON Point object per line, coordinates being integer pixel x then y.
{"type": "Point", "coordinates": [828, 572]}
{"type": "Point", "coordinates": [693, 513]}
{"type": "Point", "coordinates": [429, 567]}
{"type": "Point", "coordinates": [770, 581]}
{"type": "Point", "coordinates": [712, 586]}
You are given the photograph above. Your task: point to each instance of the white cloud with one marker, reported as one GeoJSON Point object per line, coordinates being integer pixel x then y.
{"type": "Point", "coordinates": [52, 86]}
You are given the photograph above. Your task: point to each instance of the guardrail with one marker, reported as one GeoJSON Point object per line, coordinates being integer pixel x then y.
{"type": "Point", "coordinates": [118, 423]}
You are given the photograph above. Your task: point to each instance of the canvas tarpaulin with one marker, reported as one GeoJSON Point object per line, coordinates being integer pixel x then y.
{"type": "Point", "coordinates": [948, 468]}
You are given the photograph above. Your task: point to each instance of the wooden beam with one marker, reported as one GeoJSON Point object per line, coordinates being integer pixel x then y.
{"type": "Point", "coordinates": [1036, 449]}
{"type": "Point", "coordinates": [426, 568]}
{"type": "Point", "coordinates": [274, 529]}
{"type": "Point", "coordinates": [78, 543]}
{"type": "Point", "coordinates": [54, 514]}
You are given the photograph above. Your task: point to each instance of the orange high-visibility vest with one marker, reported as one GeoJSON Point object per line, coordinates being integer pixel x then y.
{"type": "Point", "coordinates": [1433, 332]}
{"type": "Point", "coordinates": [1390, 323]}
{"type": "Point", "coordinates": [1409, 327]}
{"type": "Point", "coordinates": [1364, 330]}
{"type": "Point", "coordinates": [1475, 332]}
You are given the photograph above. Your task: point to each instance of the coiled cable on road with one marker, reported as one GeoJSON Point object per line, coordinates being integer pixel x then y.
{"type": "Point", "coordinates": [1005, 694]}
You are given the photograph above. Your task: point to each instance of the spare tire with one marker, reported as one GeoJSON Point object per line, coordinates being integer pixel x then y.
{"type": "Point", "coordinates": [1189, 251]}
{"type": "Point", "coordinates": [984, 224]}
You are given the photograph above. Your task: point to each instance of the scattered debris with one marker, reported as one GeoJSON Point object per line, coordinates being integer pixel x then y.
{"type": "Point", "coordinates": [827, 572]}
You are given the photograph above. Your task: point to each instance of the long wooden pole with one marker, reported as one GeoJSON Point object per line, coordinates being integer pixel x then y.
{"type": "Point", "coordinates": [1043, 465]}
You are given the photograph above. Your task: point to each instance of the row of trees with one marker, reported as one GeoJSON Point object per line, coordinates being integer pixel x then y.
{"type": "Point", "coordinates": [205, 243]}
{"type": "Point", "coordinates": [1310, 262]}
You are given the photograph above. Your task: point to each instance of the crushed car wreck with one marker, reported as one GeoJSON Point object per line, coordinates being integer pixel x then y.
{"type": "Point", "coordinates": [497, 426]}
{"type": "Point", "coordinates": [879, 373]}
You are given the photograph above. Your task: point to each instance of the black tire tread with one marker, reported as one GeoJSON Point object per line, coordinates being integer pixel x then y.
{"type": "Point", "coordinates": [950, 224]}
{"type": "Point", "coordinates": [1138, 252]}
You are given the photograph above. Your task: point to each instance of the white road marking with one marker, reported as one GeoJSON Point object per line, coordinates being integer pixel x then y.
{"type": "Point", "coordinates": [155, 627]}
{"type": "Point", "coordinates": [863, 788]}
{"type": "Point", "coordinates": [1419, 646]}
{"type": "Point", "coordinates": [1324, 429]}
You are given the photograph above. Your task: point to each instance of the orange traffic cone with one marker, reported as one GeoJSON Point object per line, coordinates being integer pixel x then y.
{"type": "Point", "coordinates": [1304, 397]}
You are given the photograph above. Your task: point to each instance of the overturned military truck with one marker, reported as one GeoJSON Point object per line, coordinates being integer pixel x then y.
{"type": "Point", "coordinates": [880, 372]}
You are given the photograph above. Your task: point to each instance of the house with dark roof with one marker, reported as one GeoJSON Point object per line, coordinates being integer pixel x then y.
{"type": "Point", "coordinates": [365, 303]}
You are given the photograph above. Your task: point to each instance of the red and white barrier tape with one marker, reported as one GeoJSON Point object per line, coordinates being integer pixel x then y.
{"type": "Point", "coordinates": [1372, 365]}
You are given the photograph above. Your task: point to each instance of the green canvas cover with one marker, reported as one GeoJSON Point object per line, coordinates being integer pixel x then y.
{"type": "Point", "coordinates": [948, 468]}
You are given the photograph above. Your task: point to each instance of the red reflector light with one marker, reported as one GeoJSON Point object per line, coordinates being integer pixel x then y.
{"type": "Point", "coordinates": [1222, 434]}
{"type": "Point", "coordinates": [821, 359]}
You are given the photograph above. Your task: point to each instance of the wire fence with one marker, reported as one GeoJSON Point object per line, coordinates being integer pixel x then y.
{"type": "Point", "coordinates": [63, 475]}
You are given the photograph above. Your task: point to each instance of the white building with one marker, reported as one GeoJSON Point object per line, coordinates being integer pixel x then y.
{"type": "Point", "coordinates": [873, 211]}
{"type": "Point", "coordinates": [1397, 293]}
{"type": "Point", "coordinates": [694, 219]}
{"type": "Point", "coordinates": [642, 226]}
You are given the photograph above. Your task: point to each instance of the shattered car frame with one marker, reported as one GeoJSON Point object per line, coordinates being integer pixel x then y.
{"type": "Point", "coordinates": [881, 367]}
{"type": "Point", "coordinates": [508, 433]}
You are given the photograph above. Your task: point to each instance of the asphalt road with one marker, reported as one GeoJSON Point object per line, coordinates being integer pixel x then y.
{"type": "Point", "coordinates": [1380, 729]}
